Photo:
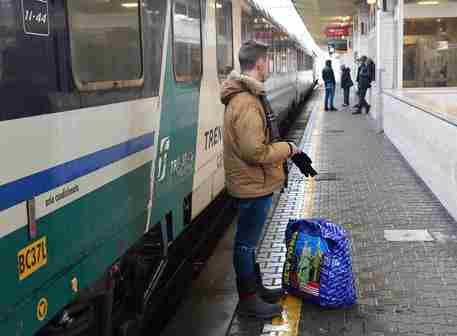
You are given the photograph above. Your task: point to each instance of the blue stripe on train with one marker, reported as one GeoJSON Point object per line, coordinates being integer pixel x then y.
{"type": "Point", "coordinates": [30, 186]}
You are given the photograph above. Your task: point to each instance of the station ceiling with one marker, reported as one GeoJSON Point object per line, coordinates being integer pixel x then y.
{"type": "Point", "coordinates": [318, 14]}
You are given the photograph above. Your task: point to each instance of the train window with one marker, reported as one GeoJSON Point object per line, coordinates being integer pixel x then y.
{"type": "Point", "coordinates": [247, 27]}
{"type": "Point", "coordinates": [105, 43]}
{"type": "Point", "coordinates": [310, 62]}
{"type": "Point", "coordinates": [293, 55]}
{"type": "Point", "coordinates": [224, 29]}
{"type": "Point", "coordinates": [290, 57]}
{"type": "Point", "coordinates": [284, 60]}
{"type": "Point", "coordinates": [28, 67]}
{"type": "Point", "coordinates": [300, 60]}
{"type": "Point", "coordinates": [187, 40]}
{"type": "Point", "coordinates": [154, 24]}
{"type": "Point", "coordinates": [271, 60]}
{"type": "Point", "coordinates": [277, 60]}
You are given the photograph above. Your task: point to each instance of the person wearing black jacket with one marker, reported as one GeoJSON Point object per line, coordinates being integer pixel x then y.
{"type": "Point", "coordinates": [330, 84]}
{"type": "Point", "coordinates": [364, 79]}
{"type": "Point", "coordinates": [372, 68]}
{"type": "Point", "coordinates": [346, 83]}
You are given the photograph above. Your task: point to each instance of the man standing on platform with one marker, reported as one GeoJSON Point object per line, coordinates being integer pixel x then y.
{"type": "Point", "coordinates": [330, 85]}
{"type": "Point", "coordinates": [254, 170]}
{"type": "Point", "coordinates": [364, 79]}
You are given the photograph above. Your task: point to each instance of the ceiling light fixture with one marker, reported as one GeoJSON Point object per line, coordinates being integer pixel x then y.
{"type": "Point", "coordinates": [130, 5]}
{"type": "Point", "coordinates": [428, 3]}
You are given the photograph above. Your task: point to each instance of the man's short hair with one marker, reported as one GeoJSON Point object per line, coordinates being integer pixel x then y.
{"type": "Point", "coordinates": [328, 63]}
{"type": "Point", "coordinates": [250, 53]}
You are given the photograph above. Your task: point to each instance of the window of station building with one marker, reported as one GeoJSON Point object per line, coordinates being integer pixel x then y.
{"type": "Point", "coordinates": [187, 51]}
{"type": "Point", "coordinates": [224, 30]}
{"type": "Point", "coordinates": [355, 24]}
{"type": "Point", "coordinates": [110, 29]}
{"type": "Point", "coordinates": [430, 52]}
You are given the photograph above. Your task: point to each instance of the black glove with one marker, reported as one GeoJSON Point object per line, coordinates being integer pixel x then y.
{"type": "Point", "coordinates": [303, 162]}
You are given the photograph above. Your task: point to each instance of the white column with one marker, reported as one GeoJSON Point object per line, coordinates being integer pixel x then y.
{"type": "Point", "coordinates": [386, 59]}
{"type": "Point", "coordinates": [399, 41]}
{"type": "Point", "coordinates": [379, 71]}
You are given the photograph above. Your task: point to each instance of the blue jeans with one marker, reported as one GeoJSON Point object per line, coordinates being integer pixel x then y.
{"type": "Point", "coordinates": [253, 213]}
{"type": "Point", "coordinates": [329, 96]}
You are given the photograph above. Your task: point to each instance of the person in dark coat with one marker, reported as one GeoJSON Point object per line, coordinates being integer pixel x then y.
{"type": "Point", "coordinates": [364, 80]}
{"type": "Point", "coordinates": [372, 68]}
{"type": "Point", "coordinates": [346, 83]}
{"type": "Point", "coordinates": [330, 84]}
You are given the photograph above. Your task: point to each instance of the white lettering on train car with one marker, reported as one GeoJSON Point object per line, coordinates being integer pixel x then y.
{"type": "Point", "coordinates": [163, 158]}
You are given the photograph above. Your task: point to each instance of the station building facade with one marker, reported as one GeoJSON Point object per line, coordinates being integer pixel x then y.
{"type": "Point", "coordinates": [414, 46]}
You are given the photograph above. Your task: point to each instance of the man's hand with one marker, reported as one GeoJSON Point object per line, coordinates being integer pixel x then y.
{"type": "Point", "coordinates": [293, 149]}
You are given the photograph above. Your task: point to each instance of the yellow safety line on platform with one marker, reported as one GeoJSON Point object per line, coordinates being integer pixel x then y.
{"type": "Point", "coordinates": [288, 324]}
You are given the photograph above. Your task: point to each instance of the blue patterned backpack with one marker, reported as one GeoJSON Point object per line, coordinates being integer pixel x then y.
{"type": "Point", "coordinates": [318, 264]}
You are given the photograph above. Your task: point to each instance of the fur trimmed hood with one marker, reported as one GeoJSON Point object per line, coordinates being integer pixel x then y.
{"type": "Point", "coordinates": [237, 83]}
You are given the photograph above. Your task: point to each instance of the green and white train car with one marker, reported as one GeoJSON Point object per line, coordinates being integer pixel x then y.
{"type": "Point", "coordinates": [111, 149]}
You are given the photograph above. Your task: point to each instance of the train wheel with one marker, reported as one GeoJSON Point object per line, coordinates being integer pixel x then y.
{"type": "Point", "coordinates": [130, 328]}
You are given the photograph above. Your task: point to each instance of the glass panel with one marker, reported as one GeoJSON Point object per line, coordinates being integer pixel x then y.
{"type": "Point", "coordinates": [284, 60]}
{"type": "Point", "coordinates": [224, 37]}
{"type": "Point", "coordinates": [187, 40]}
{"type": "Point", "coordinates": [154, 22]}
{"type": "Point", "coordinates": [28, 79]}
{"type": "Point", "coordinates": [247, 27]}
{"type": "Point", "coordinates": [105, 40]}
{"type": "Point", "coordinates": [8, 40]}
{"type": "Point", "coordinates": [271, 60]}
{"type": "Point", "coordinates": [430, 52]}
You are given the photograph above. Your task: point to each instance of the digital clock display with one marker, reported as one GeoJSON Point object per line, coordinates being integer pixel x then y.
{"type": "Point", "coordinates": [35, 16]}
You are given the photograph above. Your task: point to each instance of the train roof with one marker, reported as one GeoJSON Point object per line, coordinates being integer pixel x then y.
{"type": "Point", "coordinates": [284, 15]}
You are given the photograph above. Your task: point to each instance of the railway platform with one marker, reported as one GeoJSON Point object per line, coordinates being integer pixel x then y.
{"type": "Point", "coordinates": [404, 243]}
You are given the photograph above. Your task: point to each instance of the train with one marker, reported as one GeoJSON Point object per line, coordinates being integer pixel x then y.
{"type": "Point", "coordinates": [111, 149]}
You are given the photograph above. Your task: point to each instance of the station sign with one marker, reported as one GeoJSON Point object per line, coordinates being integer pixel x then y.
{"type": "Point", "coordinates": [337, 32]}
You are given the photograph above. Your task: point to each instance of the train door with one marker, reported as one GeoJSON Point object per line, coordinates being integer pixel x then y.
{"type": "Point", "coordinates": [218, 60]}
{"type": "Point", "coordinates": [179, 117]}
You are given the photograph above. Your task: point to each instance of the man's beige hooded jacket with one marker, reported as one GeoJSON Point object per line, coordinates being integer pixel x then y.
{"type": "Point", "coordinates": [253, 165]}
